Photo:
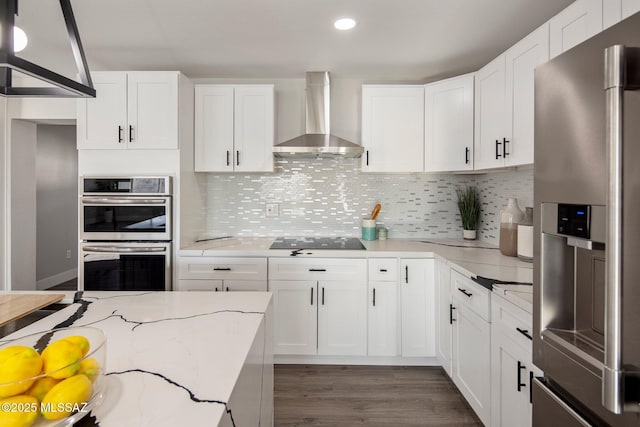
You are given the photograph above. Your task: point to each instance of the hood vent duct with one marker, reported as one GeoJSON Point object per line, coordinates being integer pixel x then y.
{"type": "Point", "coordinates": [318, 141]}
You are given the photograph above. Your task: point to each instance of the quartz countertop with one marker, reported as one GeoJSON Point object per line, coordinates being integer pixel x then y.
{"type": "Point", "coordinates": [520, 295]}
{"type": "Point", "coordinates": [173, 358]}
{"type": "Point", "coordinates": [470, 258]}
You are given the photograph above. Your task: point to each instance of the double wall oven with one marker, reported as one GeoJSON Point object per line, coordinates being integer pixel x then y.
{"type": "Point", "coordinates": [125, 233]}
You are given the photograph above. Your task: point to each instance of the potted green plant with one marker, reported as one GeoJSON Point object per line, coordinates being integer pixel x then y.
{"type": "Point", "coordinates": [469, 206]}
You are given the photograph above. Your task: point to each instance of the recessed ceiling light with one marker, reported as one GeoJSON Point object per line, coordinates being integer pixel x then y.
{"type": "Point", "coordinates": [344, 24]}
{"type": "Point", "coordinates": [19, 39]}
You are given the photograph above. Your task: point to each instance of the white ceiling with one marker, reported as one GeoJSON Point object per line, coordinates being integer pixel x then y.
{"type": "Point", "coordinates": [395, 40]}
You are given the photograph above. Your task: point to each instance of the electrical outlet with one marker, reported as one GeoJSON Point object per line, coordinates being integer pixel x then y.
{"type": "Point", "coordinates": [271, 209]}
{"type": "Point", "coordinates": [68, 253]}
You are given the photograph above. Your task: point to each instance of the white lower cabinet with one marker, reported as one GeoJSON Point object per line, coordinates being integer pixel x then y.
{"type": "Point", "coordinates": [471, 351]}
{"type": "Point", "coordinates": [511, 365]}
{"type": "Point", "coordinates": [222, 274]}
{"type": "Point", "coordinates": [418, 307]}
{"type": "Point", "coordinates": [323, 314]}
{"type": "Point", "coordinates": [444, 316]}
{"type": "Point", "coordinates": [382, 305]}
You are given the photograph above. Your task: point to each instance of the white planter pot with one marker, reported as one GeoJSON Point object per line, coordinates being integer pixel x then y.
{"type": "Point", "coordinates": [469, 234]}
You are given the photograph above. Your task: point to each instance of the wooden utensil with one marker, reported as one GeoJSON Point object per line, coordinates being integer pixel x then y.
{"type": "Point", "coordinates": [376, 211]}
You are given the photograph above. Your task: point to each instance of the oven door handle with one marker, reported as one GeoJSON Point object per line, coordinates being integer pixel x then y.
{"type": "Point", "coordinates": [101, 201]}
{"type": "Point", "coordinates": [123, 249]}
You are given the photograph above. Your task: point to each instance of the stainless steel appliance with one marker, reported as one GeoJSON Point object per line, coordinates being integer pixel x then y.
{"type": "Point", "coordinates": [587, 233]}
{"type": "Point", "coordinates": [301, 243]}
{"type": "Point", "coordinates": [125, 232]}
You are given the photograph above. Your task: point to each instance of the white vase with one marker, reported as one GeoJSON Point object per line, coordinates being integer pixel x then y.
{"type": "Point", "coordinates": [509, 220]}
{"type": "Point", "coordinates": [469, 234]}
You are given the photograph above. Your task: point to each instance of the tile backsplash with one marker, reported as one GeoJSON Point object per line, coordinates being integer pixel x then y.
{"type": "Point", "coordinates": [329, 197]}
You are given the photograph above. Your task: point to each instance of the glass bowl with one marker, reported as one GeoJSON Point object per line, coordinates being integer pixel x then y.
{"type": "Point", "coordinates": [39, 341]}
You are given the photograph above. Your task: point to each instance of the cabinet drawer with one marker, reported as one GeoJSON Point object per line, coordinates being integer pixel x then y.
{"type": "Point", "coordinates": [471, 294]}
{"type": "Point", "coordinates": [383, 270]}
{"type": "Point", "coordinates": [515, 323]}
{"type": "Point", "coordinates": [223, 268]}
{"type": "Point", "coordinates": [317, 269]}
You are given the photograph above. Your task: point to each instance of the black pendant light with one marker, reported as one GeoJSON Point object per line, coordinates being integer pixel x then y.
{"type": "Point", "coordinates": [64, 87]}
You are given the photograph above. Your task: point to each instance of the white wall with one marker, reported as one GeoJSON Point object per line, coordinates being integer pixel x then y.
{"type": "Point", "coordinates": [23, 205]}
{"type": "Point", "coordinates": [56, 205]}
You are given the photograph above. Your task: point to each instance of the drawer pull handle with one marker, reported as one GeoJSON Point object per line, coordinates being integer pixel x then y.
{"type": "Point", "coordinates": [216, 289]}
{"type": "Point", "coordinates": [221, 269]}
{"type": "Point", "coordinates": [406, 274]}
{"type": "Point", "coordinates": [525, 332]}
{"type": "Point", "coordinates": [520, 368]}
{"type": "Point", "coordinates": [530, 386]}
{"type": "Point", "coordinates": [374, 297]}
{"type": "Point", "coordinates": [451, 319]}
{"type": "Point", "coordinates": [311, 296]}
{"type": "Point", "coordinates": [383, 270]}
{"type": "Point", "coordinates": [464, 291]}
{"type": "Point", "coordinates": [318, 269]}
{"type": "Point", "coordinates": [227, 289]}
{"type": "Point", "coordinates": [323, 296]}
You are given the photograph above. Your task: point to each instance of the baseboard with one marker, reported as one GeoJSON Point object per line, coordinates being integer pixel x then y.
{"type": "Point", "coordinates": [355, 360]}
{"type": "Point", "coordinates": [56, 279]}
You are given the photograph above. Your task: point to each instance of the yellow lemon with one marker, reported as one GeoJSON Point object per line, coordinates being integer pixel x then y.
{"type": "Point", "coordinates": [19, 411]}
{"type": "Point", "coordinates": [90, 368]}
{"type": "Point", "coordinates": [81, 342]}
{"type": "Point", "coordinates": [61, 354]}
{"type": "Point", "coordinates": [41, 387]}
{"type": "Point", "coordinates": [66, 397]}
{"type": "Point", "coordinates": [17, 364]}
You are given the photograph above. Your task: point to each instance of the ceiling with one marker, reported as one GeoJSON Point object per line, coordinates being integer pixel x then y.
{"type": "Point", "coordinates": [395, 40]}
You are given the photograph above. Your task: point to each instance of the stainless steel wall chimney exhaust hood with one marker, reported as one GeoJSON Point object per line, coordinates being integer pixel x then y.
{"type": "Point", "coordinates": [318, 141]}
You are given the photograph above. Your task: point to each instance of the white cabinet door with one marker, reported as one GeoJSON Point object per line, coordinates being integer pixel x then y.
{"type": "Point", "coordinates": [295, 317]}
{"type": "Point", "coordinates": [342, 318]}
{"type": "Point", "coordinates": [383, 318]}
{"type": "Point", "coordinates": [579, 21]}
{"type": "Point", "coordinates": [510, 383]}
{"type": "Point", "coordinates": [418, 307]}
{"type": "Point", "coordinates": [213, 128]}
{"type": "Point", "coordinates": [472, 359]}
{"type": "Point", "coordinates": [521, 61]}
{"type": "Point", "coordinates": [393, 128]}
{"type": "Point", "coordinates": [444, 315]}
{"type": "Point", "coordinates": [102, 121]}
{"type": "Point", "coordinates": [152, 109]}
{"type": "Point", "coordinates": [615, 11]}
{"type": "Point", "coordinates": [489, 115]}
{"type": "Point", "coordinates": [630, 7]}
{"type": "Point", "coordinates": [449, 124]}
{"type": "Point", "coordinates": [253, 135]}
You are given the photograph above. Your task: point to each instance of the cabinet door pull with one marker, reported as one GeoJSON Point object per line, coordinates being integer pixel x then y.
{"type": "Point", "coordinates": [383, 270]}
{"type": "Point", "coordinates": [374, 297]}
{"type": "Point", "coordinates": [311, 296]}
{"type": "Point", "coordinates": [520, 368]}
{"type": "Point", "coordinates": [317, 269]}
{"type": "Point", "coordinates": [505, 141]}
{"type": "Point", "coordinates": [221, 269]}
{"type": "Point", "coordinates": [367, 158]}
{"type": "Point", "coordinates": [466, 155]}
{"type": "Point", "coordinates": [464, 291]}
{"type": "Point", "coordinates": [323, 295]}
{"type": "Point", "coordinates": [227, 289]}
{"type": "Point", "coordinates": [228, 158]}
{"type": "Point", "coordinates": [130, 133]}
{"type": "Point", "coordinates": [451, 319]}
{"type": "Point", "coordinates": [497, 154]}
{"type": "Point", "coordinates": [216, 289]}
{"type": "Point", "coordinates": [120, 133]}
{"type": "Point", "coordinates": [237, 157]}
{"type": "Point", "coordinates": [406, 274]}
{"type": "Point", "coordinates": [525, 332]}
{"type": "Point", "coordinates": [530, 386]}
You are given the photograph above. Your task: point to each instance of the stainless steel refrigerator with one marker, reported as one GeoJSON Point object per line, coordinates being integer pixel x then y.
{"type": "Point", "coordinates": [587, 233]}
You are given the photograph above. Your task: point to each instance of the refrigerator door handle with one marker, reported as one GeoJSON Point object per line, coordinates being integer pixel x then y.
{"type": "Point", "coordinates": [621, 73]}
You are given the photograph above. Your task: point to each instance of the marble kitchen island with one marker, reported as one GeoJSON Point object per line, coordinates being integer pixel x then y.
{"type": "Point", "coordinates": [178, 358]}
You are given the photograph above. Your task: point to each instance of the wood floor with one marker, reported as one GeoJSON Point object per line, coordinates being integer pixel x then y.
{"type": "Point", "coordinates": [343, 396]}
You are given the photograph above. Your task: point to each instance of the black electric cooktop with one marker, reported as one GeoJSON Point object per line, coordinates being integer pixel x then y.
{"type": "Point", "coordinates": [334, 243]}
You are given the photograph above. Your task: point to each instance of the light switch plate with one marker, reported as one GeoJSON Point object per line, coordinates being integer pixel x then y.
{"type": "Point", "coordinates": [272, 209]}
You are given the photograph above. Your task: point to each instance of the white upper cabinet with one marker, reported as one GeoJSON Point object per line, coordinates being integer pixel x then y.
{"type": "Point", "coordinates": [234, 128]}
{"type": "Point", "coordinates": [449, 124]}
{"type": "Point", "coordinates": [393, 128]}
{"type": "Point", "coordinates": [131, 110]}
{"type": "Point", "coordinates": [579, 21]}
{"type": "Point", "coordinates": [489, 113]}
{"type": "Point", "coordinates": [614, 11]}
{"type": "Point", "coordinates": [505, 103]}
{"type": "Point", "coordinates": [521, 61]}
